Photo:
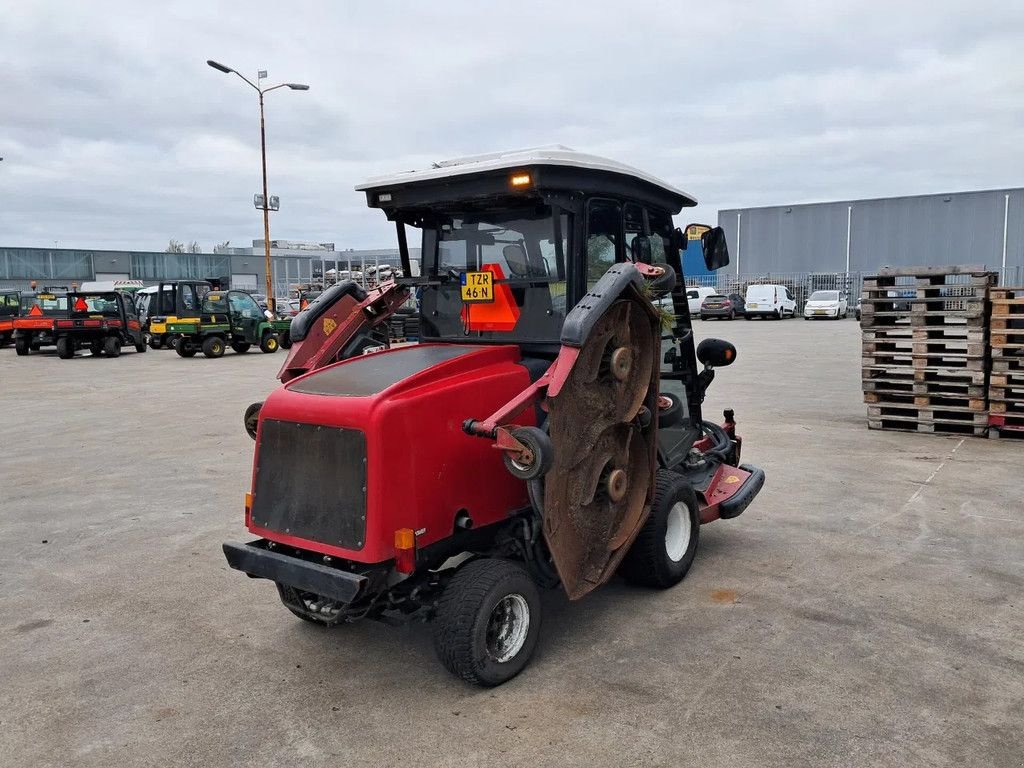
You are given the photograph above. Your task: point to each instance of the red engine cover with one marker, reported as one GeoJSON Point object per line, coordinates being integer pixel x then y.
{"type": "Point", "coordinates": [421, 468]}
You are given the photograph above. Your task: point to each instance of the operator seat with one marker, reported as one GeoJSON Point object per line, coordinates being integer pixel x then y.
{"type": "Point", "coordinates": [533, 298]}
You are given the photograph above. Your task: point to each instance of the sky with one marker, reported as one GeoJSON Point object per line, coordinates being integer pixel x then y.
{"type": "Point", "coordinates": [115, 133]}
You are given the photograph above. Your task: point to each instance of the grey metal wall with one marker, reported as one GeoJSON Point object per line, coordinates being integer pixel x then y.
{"type": "Point", "coordinates": [957, 228]}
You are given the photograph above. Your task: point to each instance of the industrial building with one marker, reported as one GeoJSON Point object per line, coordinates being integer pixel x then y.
{"type": "Point", "coordinates": [859, 236]}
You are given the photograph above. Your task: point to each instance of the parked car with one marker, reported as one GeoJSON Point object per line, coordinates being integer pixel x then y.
{"type": "Point", "coordinates": [695, 297]}
{"type": "Point", "coordinates": [722, 306]}
{"type": "Point", "coordinates": [856, 311]}
{"type": "Point", "coordinates": [826, 304]}
{"type": "Point", "coordinates": [769, 300]}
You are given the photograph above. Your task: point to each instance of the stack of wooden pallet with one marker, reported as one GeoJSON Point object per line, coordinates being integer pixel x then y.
{"type": "Point", "coordinates": [925, 349]}
{"type": "Point", "coordinates": [1006, 384]}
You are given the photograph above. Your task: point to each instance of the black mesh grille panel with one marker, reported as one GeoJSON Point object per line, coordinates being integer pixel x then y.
{"type": "Point", "coordinates": [311, 482]}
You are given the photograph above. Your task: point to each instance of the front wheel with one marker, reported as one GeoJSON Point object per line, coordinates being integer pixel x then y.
{"type": "Point", "coordinates": [155, 342]}
{"type": "Point", "coordinates": [95, 347]}
{"type": "Point", "coordinates": [286, 340]}
{"type": "Point", "coordinates": [487, 622]}
{"type": "Point", "coordinates": [667, 544]}
{"type": "Point", "coordinates": [240, 347]}
{"type": "Point", "coordinates": [251, 419]}
{"type": "Point", "coordinates": [21, 346]}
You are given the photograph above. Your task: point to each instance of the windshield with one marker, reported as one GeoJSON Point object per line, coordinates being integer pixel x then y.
{"type": "Point", "coordinates": [95, 304]}
{"type": "Point", "coordinates": [824, 296]}
{"type": "Point", "coordinates": [46, 302]}
{"type": "Point", "coordinates": [497, 276]}
{"type": "Point", "coordinates": [215, 304]}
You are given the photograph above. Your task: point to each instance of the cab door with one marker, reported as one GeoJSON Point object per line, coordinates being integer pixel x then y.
{"type": "Point", "coordinates": [245, 315]}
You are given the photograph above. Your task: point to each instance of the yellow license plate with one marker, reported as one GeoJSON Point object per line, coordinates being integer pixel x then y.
{"type": "Point", "coordinates": [477, 286]}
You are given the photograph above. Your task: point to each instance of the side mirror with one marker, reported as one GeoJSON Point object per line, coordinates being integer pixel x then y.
{"type": "Point", "coordinates": [640, 249]}
{"type": "Point", "coordinates": [716, 353]}
{"type": "Point", "coordinates": [716, 251]}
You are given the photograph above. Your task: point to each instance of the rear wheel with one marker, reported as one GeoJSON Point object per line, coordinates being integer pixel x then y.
{"type": "Point", "coordinates": [140, 345]}
{"type": "Point", "coordinates": [156, 341]}
{"type": "Point", "coordinates": [111, 346]}
{"type": "Point", "coordinates": [65, 348]}
{"type": "Point", "coordinates": [213, 346]}
{"type": "Point", "coordinates": [667, 544]}
{"type": "Point", "coordinates": [184, 348]}
{"type": "Point", "coordinates": [5, 339]}
{"type": "Point", "coordinates": [269, 342]}
{"type": "Point", "coordinates": [21, 346]}
{"type": "Point", "coordinates": [95, 347]}
{"type": "Point", "coordinates": [487, 622]}
{"type": "Point", "coordinates": [241, 347]}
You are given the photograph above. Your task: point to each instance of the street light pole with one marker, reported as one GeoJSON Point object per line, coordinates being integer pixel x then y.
{"type": "Point", "coordinates": [271, 294]}
{"type": "Point", "coordinates": [263, 157]}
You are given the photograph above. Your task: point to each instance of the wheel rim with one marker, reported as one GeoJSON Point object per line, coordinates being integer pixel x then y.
{"type": "Point", "coordinates": [507, 628]}
{"type": "Point", "coordinates": [677, 531]}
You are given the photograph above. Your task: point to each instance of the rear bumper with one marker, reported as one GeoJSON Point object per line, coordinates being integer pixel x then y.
{"type": "Point", "coordinates": [718, 312]}
{"type": "Point", "coordinates": [258, 562]}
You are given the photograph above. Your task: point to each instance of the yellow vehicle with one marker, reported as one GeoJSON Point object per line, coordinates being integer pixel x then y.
{"type": "Point", "coordinates": [176, 301]}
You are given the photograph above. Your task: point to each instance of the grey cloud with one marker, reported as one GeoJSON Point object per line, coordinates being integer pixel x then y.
{"type": "Point", "coordinates": [116, 134]}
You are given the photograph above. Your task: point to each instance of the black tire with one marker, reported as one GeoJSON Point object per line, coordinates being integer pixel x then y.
{"type": "Point", "coordinates": [286, 340]}
{"type": "Point", "coordinates": [156, 342]}
{"type": "Point", "coordinates": [184, 348]}
{"type": "Point", "coordinates": [649, 562]}
{"type": "Point", "coordinates": [95, 347]}
{"type": "Point", "coordinates": [140, 346]}
{"type": "Point", "coordinates": [213, 346]}
{"type": "Point", "coordinates": [269, 343]}
{"type": "Point", "coordinates": [34, 346]}
{"type": "Point", "coordinates": [477, 598]}
{"type": "Point", "coordinates": [65, 348]}
{"type": "Point", "coordinates": [112, 346]}
{"type": "Point", "coordinates": [671, 415]}
{"type": "Point", "coordinates": [539, 445]}
{"type": "Point", "coordinates": [251, 419]}
{"type": "Point", "coordinates": [748, 317]}
{"type": "Point", "coordinates": [21, 346]}
{"type": "Point", "coordinates": [241, 347]}
{"type": "Point", "coordinates": [5, 339]}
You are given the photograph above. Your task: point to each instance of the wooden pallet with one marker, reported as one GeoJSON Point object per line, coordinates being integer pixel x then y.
{"type": "Point", "coordinates": [958, 388]}
{"type": "Point", "coordinates": [929, 400]}
{"type": "Point", "coordinates": [939, 360]}
{"type": "Point", "coordinates": [931, 428]}
{"type": "Point", "coordinates": [924, 375]}
{"type": "Point", "coordinates": [953, 332]}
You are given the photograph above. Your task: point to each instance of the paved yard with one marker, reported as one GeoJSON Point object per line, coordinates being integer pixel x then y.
{"type": "Point", "coordinates": [866, 610]}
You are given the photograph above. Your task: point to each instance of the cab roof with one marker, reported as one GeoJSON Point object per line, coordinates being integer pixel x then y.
{"type": "Point", "coordinates": [557, 167]}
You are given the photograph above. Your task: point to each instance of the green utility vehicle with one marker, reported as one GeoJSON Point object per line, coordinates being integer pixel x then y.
{"type": "Point", "coordinates": [228, 318]}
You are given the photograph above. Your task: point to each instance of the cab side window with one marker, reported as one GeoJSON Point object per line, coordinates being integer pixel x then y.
{"type": "Point", "coordinates": [243, 304]}
{"type": "Point", "coordinates": [604, 238]}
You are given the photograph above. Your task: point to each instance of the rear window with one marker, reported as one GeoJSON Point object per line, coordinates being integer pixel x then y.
{"type": "Point", "coordinates": [761, 292]}
{"type": "Point", "coordinates": [46, 301]}
{"type": "Point", "coordinates": [95, 304]}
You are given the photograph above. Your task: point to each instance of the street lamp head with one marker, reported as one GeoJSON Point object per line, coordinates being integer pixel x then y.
{"type": "Point", "coordinates": [219, 67]}
{"type": "Point", "coordinates": [297, 86]}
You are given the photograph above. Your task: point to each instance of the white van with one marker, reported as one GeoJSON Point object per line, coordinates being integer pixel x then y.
{"type": "Point", "coordinates": [695, 297]}
{"type": "Point", "coordinates": [769, 301]}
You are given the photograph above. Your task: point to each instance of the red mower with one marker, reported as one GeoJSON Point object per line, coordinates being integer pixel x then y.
{"type": "Point", "coordinates": [545, 431]}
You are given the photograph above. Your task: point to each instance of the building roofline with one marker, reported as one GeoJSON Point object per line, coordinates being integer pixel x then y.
{"type": "Point", "coordinates": [851, 201]}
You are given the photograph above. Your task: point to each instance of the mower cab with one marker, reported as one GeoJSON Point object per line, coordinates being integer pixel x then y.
{"type": "Point", "coordinates": [226, 318]}
{"type": "Point", "coordinates": [531, 437]}
{"type": "Point", "coordinates": [169, 302]}
{"type": "Point", "coordinates": [34, 326]}
{"type": "Point", "coordinates": [101, 321]}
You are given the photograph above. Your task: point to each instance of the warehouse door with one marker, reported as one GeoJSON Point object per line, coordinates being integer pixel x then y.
{"type": "Point", "coordinates": [110, 277]}
{"type": "Point", "coordinates": [244, 282]}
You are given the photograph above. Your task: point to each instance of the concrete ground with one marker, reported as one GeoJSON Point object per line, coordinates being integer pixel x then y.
{"type": "Point", "coordinates": [866, 610]}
